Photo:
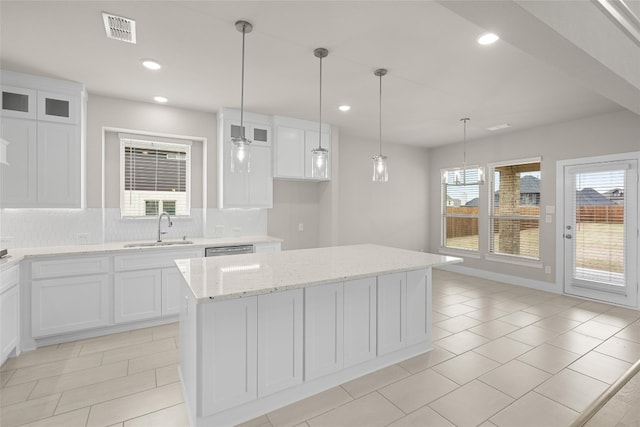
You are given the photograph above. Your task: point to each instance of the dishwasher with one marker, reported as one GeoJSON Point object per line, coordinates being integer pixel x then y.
{"type": "Point", "coordinates": [228, 250]}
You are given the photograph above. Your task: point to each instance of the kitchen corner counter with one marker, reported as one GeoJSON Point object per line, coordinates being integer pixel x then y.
{"type": "Point", "coordinates": [252, 274]}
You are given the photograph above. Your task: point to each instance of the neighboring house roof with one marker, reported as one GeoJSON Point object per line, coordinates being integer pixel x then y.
{"type": "Point", "coordinates": [590, 197]}
{"type": "Point", "coordinates": [529, 184]}
{"type": "Point", "coordinates": [472, 202]}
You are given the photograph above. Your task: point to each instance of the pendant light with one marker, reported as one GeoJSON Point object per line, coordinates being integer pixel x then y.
{"type": "Point", "coordinates": [240, 153]}
{"type": "Point", "coordinates": [380, 169]}
{"type": "Point", "coordinates": [320, 156]}
{"type": "Point", "coordinates": [460, 175]}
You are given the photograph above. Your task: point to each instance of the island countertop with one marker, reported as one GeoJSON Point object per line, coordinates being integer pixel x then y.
{"type": "Point", "coordinates": [217, 278]}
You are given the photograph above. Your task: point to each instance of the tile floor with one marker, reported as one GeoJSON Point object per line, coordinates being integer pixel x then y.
{"type": "Point", "coordinates": [504, 356]}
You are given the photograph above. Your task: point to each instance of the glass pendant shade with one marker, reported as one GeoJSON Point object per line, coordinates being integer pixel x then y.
{"type": "Point", "coordinates": [380, 169]}
{"type": "Point", "coordinates": [319, 163]}
{"type": "Point", "coordinates": [240, 155]}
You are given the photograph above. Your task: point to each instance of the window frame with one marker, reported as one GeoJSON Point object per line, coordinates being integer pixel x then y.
{"type": "Point", "coordinates": [523, 260]}
{"type": "Point", "coordinates": [160, 143]}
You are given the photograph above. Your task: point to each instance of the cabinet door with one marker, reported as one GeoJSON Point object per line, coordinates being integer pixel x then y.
{"type": "Point", "coordinates": [9, 322]}
{"type": "Point", "coordinates": [229, 349]}
{"type": "Point", "coordinates": [69, 304]}
{"type": "Point", "coordinates": [392, 329]}
{"type": "Point", "coordinates": [323, 330]}
{"type": "Point", "coordinates": [57, 107]}
{"type": "Point", "coordinates": [279, 341]}
{"type": "Point", "coordinates": [289, 153]}
{"type": "Point", "coordinates": [267, 247]}
{"type": "Point", "coordinates": [260, 178]}
{"type": "Point", "coordinates": [137, 295]}
{"type": "Point", "coordinates": [58, 165]}
{"type": "Point", "coordinates": [311, 142]}
{"type": "Point", "coordinates": [20, 176]}
{"type": "Point", "coordinates": [18, 102]}
{"type": "Point", "coordinates": [171, 291]}
{"type": "Point", "coordinates": [359, 320]}
{"type": "Point", "coordinates": [418, 306]}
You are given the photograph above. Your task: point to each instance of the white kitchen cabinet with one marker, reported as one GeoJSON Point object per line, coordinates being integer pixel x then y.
{"type": "Point", "coordinates": [229, 371]}
{"type": "Point", "coordinates": [293, 143]}
{"type": "Point", "coordinates": [253, 189]}
{"type": "Point", "coordinates": [392, 320]}
{"type": "Point", "coordinates": [418, 298]}
{"type": "Point", "coordinates": [360, 314]}
{"type": "Point", "coordinates": [137, 295]}
{"type": "Point", "coordinates": [9, 312]}
{"type": "Point", "coordinates": [69, 304]}
{"type": "Point", "coordinates": [171, 295]}
{"type": "Point", "coordinates": [323, 330]}
{"type": "Point", "coordinates": [280, 327]}
{"type": "Point", "coordinates": [43, 120]}
{"type": "Point", "coordinates": [267, 247]}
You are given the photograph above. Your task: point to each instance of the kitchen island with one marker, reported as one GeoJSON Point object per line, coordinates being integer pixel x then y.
{"type": "Point", "coordinates": [260, 331]}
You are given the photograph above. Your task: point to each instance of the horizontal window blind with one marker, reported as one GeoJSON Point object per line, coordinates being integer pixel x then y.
{"type": "Point", "coordinates": [460, 209]}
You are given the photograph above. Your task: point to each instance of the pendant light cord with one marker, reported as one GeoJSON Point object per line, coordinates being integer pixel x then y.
{"type": "Point", "coordinates": [380, 116]}
{"type": "Point", "coordinates": [242, 88]}
{"type": "Point", "coordinates": [320, 110]}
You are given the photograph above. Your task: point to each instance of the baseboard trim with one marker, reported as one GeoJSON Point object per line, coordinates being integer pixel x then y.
{"type": "Point", "coordinates": [505, 278]}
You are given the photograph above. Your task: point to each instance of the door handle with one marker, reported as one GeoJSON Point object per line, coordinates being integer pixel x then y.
{"type": "Point", "coordinates": [567, 236]}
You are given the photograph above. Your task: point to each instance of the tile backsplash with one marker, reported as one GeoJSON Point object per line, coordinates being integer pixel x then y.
{"type": "Point", "coordinates": [22, 228]}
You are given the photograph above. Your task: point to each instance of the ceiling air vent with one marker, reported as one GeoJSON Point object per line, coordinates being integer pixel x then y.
{"type": "Point", "coordinates": [119, 28]}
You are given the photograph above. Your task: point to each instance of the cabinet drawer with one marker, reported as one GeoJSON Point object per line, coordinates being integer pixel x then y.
{"type": "Point", "coordinates": [153, 259]}
{"type": "Point", "coordinates": [69, 267]}
{"type": "Point", "coordinates": [9, 278]}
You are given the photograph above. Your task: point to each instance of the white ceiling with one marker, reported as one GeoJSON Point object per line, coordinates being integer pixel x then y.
{"type": "Point", "coordinates": [437, 72]}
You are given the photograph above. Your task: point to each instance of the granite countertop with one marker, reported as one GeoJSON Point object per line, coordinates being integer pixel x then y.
{"type": "Point", "coordinates": [220, 278]}
{"type": "Point", "coordinates": [18, 254]}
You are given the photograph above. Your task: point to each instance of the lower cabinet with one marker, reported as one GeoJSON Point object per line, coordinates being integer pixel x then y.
{"type": "Point", "coordinates": [392, 321]}
{"type": "Point", "coordinates": [171, 296]}
{"type": "Point", "coordinates": [9, 312]}
{"type": "Point", "coordinates": [359, 321]}
{"type": "Point", "coordinates": [69, 304]}
{"type": "Point", "coordinates": [418, 299]}
{"type": "Point", "coordinates": [137, 295]}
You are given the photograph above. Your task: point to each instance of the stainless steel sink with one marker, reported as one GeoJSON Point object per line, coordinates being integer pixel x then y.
{"type": "Point", "coordinates": [154, 244]}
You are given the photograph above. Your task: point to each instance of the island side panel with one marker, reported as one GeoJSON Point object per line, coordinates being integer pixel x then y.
{"type": "Point", "coordinates": [418, 306]}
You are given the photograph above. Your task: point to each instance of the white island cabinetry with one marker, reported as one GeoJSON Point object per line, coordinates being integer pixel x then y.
{"type": "Point", "coordinates": [9, 312]}
{"type": "Point", "coordinates": [243, 350]}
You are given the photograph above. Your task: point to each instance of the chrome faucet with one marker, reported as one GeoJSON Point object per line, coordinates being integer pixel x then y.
{"type": "Point", "coordinates": [160, 233]}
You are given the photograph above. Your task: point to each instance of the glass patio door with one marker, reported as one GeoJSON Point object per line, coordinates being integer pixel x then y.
{"type": "Point", "coordinates": [600, 230]}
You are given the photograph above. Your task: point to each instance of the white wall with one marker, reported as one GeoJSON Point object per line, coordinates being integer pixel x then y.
{"type": "Point", "coordinates": [617, 132]}
{"type": "Point", "coordinates": [295, 203]}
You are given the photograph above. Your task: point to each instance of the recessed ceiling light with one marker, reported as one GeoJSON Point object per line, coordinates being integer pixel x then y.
{"type": "Point", "coordinates": [160, 99]}
{"type": "Point", "coordinates": [151, 64]}
{"type": "Point", "coordinates": [498, 127]}
{"type": "Point", "coordinates": [344, 108]}
{"type": "Point", "coordinates": [488, 38]}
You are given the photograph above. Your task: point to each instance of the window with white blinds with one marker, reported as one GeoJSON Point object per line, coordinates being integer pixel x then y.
{"type": "Point", "coordinates": [514, 211]}
{"type": "Point", "coordinates": [460, 208]}
{"type": "Point", "coordinates": [155, 177]}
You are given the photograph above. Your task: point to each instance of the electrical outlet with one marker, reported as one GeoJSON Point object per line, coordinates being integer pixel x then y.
{"type": "Point", "coordinates": [83, 238]}
{"type": "Point", "coordinates": [547, 269]}
{"type": "Point", "coordinates": [301, 227]}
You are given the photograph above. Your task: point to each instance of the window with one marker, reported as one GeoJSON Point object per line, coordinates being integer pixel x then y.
{"type": "Point", "coordinates": [460, 209]}
{"type": "Point", "coordinates": [514, 214]}
{"type": "Point", "coordinates": [155, 176]}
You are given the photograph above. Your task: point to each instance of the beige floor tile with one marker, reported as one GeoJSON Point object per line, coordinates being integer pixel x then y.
{"type": "Point", "coordinates": [16, 394]}
{"type": "Point", "coordinates": [515, 378]}
{"type": "Point", "coordinates": [511, 306]}
{"type": "Point", "coordinates": [171, 416]}
{"type": "Point", "coordinates": [438, 333]}
{"type": "Point", "coordinates": [557, 323]}
{"type": "Point", "coordinates": [503, 349]}
{"type": "Point", "coordinates": [461, 342]}
{"type": "Point", "coordinates": [579, 314]}
{"type": "Point", "coordinates": [628, 351]}
{"type": "Point", "coordinates": [534, 410]}
{"type": "Point", "coordinates": [454, 310]}
{"type": "Point", "coordinates": [481, 302]}
{"type": "Point", "coordinates": [596, 329]}
{"type": "Point", "coordinates": [493, 329]}
{"type": "Point", "coordinates": [375, 380]}
{"type": "Point", "coordinates": [598, 307]}
{"type": "Point", "coordinates": [129, 407]}
{"type": "Point", "coordinates": [451, 299]}
{"type": "Point", "coordinates": [533, 335]}
{"type": "Point", "coordinates": [466, 367]}
{"type": "Point", "coordinates": [417, 390]}
{"type": "Point", "coordinates": [600, 366]}
{"type": "Point", "coordinates": [166, 331]}
{"type": "Point", "coordinates": [56, 368]}
{"type": "Point", "coordinates": [29, 411]}
{"type": "Point", "coordinates": [423, 417]}
{"type": "Point", "coordinates": [549, 358]}
{"type": "Point", "coordinates": [479, 401]}
{"type": "Point", "coordinates": [167, 375]}
{"type": "Point", "coordinates": [371, 410]}
{"type": "Point", "coordinates": [138, 350]}
{"type": "Point", "coordinates": [305, 424]}
{"type": "Point", "coordinates": [310, 407]}
{"type": "Point", "coordinates": [630, 333]}
{"type": "Point", "coordinates": [39, 356]}
{"type": "Point", "coordinates": [426, 360]}
{"type": "Point", "coordinates": [112, 389]}
{"type": "Point", "coordinates": [154, 361]}
{"type": "Point", "coordinates": [262, 421]}
{"type": "Point", "coordinates": [544, 310]}
{"type": "Point", "coordinates": [5, 376]}
{"type": "Point", "coordinates": [618, 318]}
{"type": "Point", "coordinates": [111, 342]}
{"type": "Point", "coordinates": [486, 314]}
{"type": "Point", "coordinates": [76, 418]}
{"type": "Point", "coordinates": [458, 323]}
{"type": "Point", "coordinates": [572, 389]}
{"type": "Point", "coordinates": [520, 318]}
{"type": "Point", "coordinates": [575, 342]}
{"type": "Point", "coordinates": [487, 424]}
{"type": "Point", "coordinates": [438, 317]}
{"type": "Point", "coordinates": [78, 379]}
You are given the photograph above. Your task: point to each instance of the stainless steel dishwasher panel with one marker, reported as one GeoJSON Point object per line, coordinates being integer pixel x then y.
{"type": "Point", "coordinates": [228, 250]}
